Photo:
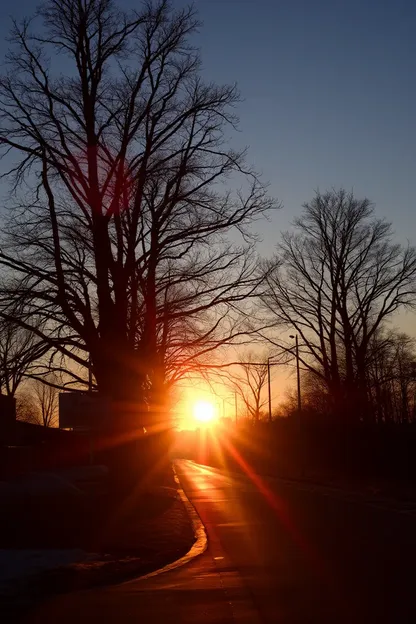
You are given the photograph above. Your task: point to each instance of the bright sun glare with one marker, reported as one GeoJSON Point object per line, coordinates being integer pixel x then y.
{"type": "Point", "coordinates": [204, 412]}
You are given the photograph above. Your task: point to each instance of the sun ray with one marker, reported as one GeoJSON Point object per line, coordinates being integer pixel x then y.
{"type": "Point", "coordinates": [281, 509]}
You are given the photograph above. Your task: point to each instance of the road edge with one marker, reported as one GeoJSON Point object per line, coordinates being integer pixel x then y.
{"type": "Point", "coordinates": [198, 547]}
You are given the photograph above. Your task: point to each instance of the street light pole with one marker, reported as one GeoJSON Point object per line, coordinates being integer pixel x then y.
{"type": "Point", "coordinates": [89, 373]}
{"type": "Point", "coordinates": [300, 424]}
{"type": "Point", "coordinates": [269, 390]}
{"type": "Point", "coordinates": [298, 376]}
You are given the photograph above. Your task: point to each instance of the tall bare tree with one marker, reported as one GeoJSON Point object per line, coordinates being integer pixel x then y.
{"type": "Point", "coordinates": [119, 241]}
{"type": "Point", "coordinates": [336, 280]}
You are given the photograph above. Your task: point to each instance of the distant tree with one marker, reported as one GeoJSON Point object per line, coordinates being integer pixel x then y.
{"type": "Point", "coordinates": [46, 397]}
{"type": "Point", "coordinates": [392, 377]}
{"type": "Point", "coordinates": [391, 384]}
{"type": "Point", "coordinates": [119, 241]}
{"type": "Point", "coordinates": [249, 381]}
{"type": "Point", "coordinates": [336, 280]}
{"type": "Point", "coordinates": [26, 408]}
{"type": "Point", "coordinates": [37, 403]}
{"type": "Point", "coordinates": [20, 350]}
{"type": "Point", "coordinates": [316, 401]}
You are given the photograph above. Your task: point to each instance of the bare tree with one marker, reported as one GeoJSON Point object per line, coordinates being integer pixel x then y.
{"type": "Point", "coordinates": [249, 382]}
{"type": "Point", "coordinates": [335, 281]}
{"type": "Point", "coordinates": [119, 242]}
{"type": "Point", "coordinates": [391, 377]}
{"type": "Point", "coordinates": [20, 351]}
{"type": "Point", "coordinates": [317, 406]}
{"type": "Point", "coordinates": [46, 399]}
{"type": "Point", "coordinates": [391, 384]}
{"type": "Point", "coordinates": [26, 408]}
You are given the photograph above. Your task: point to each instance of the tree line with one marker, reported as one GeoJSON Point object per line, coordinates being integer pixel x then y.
{"type": "Point", "coordinates": [128, 254]}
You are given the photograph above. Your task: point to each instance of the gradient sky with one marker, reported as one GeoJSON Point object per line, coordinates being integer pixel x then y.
{"type": "Point", "coordinates": [329, 95]}
{"type": "Point", "coordinates": [329, 88]}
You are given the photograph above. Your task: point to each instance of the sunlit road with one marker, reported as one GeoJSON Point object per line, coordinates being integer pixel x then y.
{"type": "Point", "coordinates": [309, 554]}
{"type": "Point", "coordinates": [278, 552]}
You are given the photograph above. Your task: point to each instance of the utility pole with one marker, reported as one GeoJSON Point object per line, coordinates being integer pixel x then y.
{"type": "Point", "coordinates": [89, 373]}
{"type": "Point", "coordinates": [302, 442]}
{"type": "Point", "coordinates": [236, 407]}
{"type": "Point", "coordinates": [298, 377]}
{"type": "Point", "coordinates": [269, 390]}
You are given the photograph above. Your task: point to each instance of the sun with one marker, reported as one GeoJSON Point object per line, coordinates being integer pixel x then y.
{"type": "Point", "coordinates": [204, 411]}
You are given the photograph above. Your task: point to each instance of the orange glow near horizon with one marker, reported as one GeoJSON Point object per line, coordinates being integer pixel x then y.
{"type": "Point", "coordinates": [202, 404]}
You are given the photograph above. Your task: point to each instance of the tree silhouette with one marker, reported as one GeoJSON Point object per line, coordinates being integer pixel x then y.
{"type": "Point", "coordinates": [119, 241]}
{"type": "Point", "coordinates": [391, 377]}
{"type": "Point", "coordinates": [336, 280]}
{"type": "Point", "coordinates": [46, 402]}
{"type": "Point", "coordinates": [20, 350]}
{"type": "Point", "coordinates": [249, 382]}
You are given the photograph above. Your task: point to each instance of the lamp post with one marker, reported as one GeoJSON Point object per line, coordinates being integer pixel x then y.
{"type": "Point", "coordinates": [89, 373]}
{"type": "Point", "coordinates": [297, 375]}
{"type": "Point", "coordinates": [302, 447]}
{"type": "Point", "coordinates": [269, 390]}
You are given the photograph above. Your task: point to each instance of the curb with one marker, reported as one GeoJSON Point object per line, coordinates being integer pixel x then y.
{"type": "Point", "coordinates": [198, 547]}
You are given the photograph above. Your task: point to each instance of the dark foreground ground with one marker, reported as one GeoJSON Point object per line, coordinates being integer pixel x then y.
{"type": "Point", "coordinates": [120, 536]}
{"type": "Point", "coordinates": [278, 552]}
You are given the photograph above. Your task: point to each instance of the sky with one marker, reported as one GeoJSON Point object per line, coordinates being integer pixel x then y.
{"type": "Point", "coordinates": [329, 96]}
{"type": "Point", "coordinates": [328, 91]}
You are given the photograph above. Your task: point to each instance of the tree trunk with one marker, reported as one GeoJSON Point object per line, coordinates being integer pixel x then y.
{"type": "Point", "coordinates": [120, 378]}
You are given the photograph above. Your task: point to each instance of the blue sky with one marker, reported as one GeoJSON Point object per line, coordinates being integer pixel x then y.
{"type": "Point", "coordinates": [329, 88]}
{"type": "Point", "coordinates": [329, 95]}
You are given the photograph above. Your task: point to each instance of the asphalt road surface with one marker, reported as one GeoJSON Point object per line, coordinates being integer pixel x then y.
{"type": "Point", "coordinates": [278, 552]}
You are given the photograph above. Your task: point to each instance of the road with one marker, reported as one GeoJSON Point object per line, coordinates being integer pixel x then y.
{"type": "Point", "coordinates": [278, 552]}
